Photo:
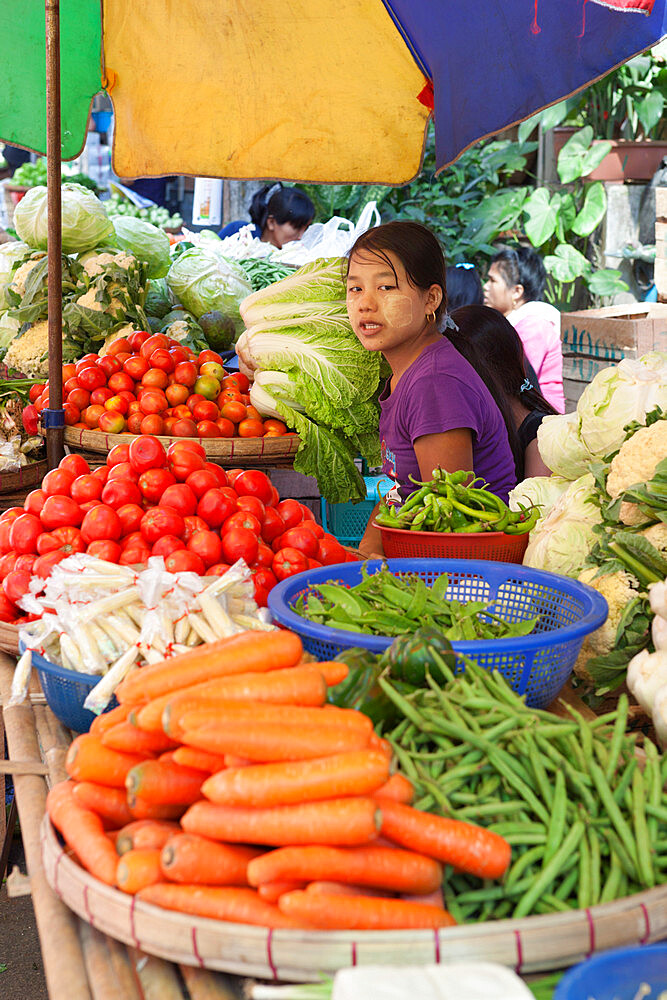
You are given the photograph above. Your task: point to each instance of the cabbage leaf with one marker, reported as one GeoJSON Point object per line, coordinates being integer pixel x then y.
{"type": "Point", "coordinates": [203, 281]}
{"type": "Point", "coordinates": [85, 224]}
{"type": "Point", "coordinates": [145, 241]}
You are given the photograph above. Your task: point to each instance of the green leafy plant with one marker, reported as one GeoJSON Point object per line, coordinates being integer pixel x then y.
{"type": "Point", "coordinates": [345, 200]}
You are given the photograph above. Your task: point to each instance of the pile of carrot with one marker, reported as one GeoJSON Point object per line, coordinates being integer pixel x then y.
{"type": "Point", "coordinates": [224, 785]}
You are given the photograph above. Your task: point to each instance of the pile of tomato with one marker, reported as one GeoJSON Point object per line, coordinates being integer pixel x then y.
{"type": "Point", "coordinates": [150, 502]}
{"type": "Point", "coordinates": [150, 384]}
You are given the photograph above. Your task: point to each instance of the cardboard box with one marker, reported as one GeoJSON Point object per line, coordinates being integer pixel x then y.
{"type": "Point", "coordinates": [594, 339]}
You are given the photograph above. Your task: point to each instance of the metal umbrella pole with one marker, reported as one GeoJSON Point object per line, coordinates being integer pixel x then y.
{"type": "Point", "coordinates": [53, 416]}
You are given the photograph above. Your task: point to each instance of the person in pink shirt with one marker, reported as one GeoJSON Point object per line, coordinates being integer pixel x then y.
{"type": "Point", "coordinates": [514, 287]}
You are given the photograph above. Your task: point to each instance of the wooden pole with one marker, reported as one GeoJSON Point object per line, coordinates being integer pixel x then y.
{"type": "Point", "coordinates": [54, 421]}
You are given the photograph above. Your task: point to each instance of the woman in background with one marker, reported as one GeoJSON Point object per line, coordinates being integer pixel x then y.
{"type": "Point", "coordinates": [514, 287]}
{"type": "Point", "coordinates": [464, 286]}
{"type": "Point", "coordinates": [279, 215]}
{"type": "Point", "coordinates": [492, 346]}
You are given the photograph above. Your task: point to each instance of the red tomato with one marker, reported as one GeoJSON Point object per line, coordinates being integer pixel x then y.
{"type": "Point", "coordinates": [287, 562]}
{"type": "Point", "coordinates": [8, 563]}
{"type": "Point", "coordinates": [134, 422]}
{"type": "Point", "coordinates": [205, 409]}
{"type": "Point", "coordinates": [146, 452]}
{"type": "Point", "coordinates": [72, 415]}
{"type": "Point", "coordinates": [85, 507]}
{"type": "Point", "coordinates": [238, 380]}
{"type": "Point", "coordinates": [16, 584]}
{"type": "Point", "coordinates": [209, 355]}
{"type": "Point", "coordinates": [184, 428]}
{"type": "Point", "coordinates": [92, 378]}
{"type": "Point", "coordinates": [162, 359]}
{"type": "Point", "coordinates": [195, 398]}
{"type": "Point", "coordinates": [130, 515]}
{"type": "Point", "coordinates": [111, 422]}
{"type": "Point", "coordinates": [5, 528]}
{"type": "Point", "coordinates": [119, 453]}
{"type": "Point", "coordinates": [79, 398]}
{"type": "Point", "coordinates": [184, 463]}
{"type": "Point", "coordinates": [307, 513]}
{"type": "Point", "coordinates": [152, 344]}
{"type": "Point", "coordinates": [236, 412]}
{"type": "Point", "coordinates": [101, 523]}
{"type": "Point", "coordinates": [43, 565]}
{"type": "Point", "coordinates": [154, 482]}
{"type": "Point", "coordinates": [176, 394]}
{"type": "Point", "coordinates": [218, 570]}
{"type": "Point", "coordinates": [314, 563]}
{"type": "Point", "coordinates": [8, 610]}
{"type": "Point", "coordinates": [58, 483]}
{"type": "Point", "coordinates": [36, 390]}
{"type": "Point", "coordinates": [109, 365]}
{"type": "Point", "coordinates": [60, 512]}
{"type": "Point", "coordinates": [178, 447]}
{"type": "Point", "coordinates": [123, 471]}
{"type": "Point", "coordinates": [118, 403]}
{"type": "Point", "coordinates": [226, 427]}
{"type": "Point", "coordinates": [181, 498]}
{"type": "Point", "coordinates": [186, 373]}
{"type": "Point", "coordinates": [218, 472]}
{"type": "Point", "coordinates": [253, 506]}
{"type": "Point", "coordinates": [208, 429]}
{"type": "Point", "coordinates": [137, 338]}
{"type": "Point", "coordinates": [313, 527]}
{"type": "Point", "coordinates": [330, 551]}
{"type": "Point", "coordinates": [207, 545]}
{"type": "Point", "coordinates": [185, 561]}
{"type": "Point", "coordinates": [161, 521]}
{"type": "Point", "coordinates": [152, 423]}
{"type": "Point", "coordinates": [11, 513]}
{"type": "Point", "coordinates": [291, 513]}
{"type": "Point", "coordinates": [153, 401]}
{"type": "Point", "coordinates": [98, 397]}
{"type": "Point", "coordinates": [24, 532]}
{"type": "Point", "coordinates": [242, 519]}
{"type": "Point", "coordinates": [251, 428]}
{"type": "Point", "coordinates": [202, 480]}
{"type": "Point", "coordinates": [272, 526]}
{"type": "Point", "coordinates": [91, 415]}
{"type": "Point", "coordinates": [85, 488]}
{"type": "Point", "coordinates": [276, 497]}
{"type": "Point", "coordinates": [135, 555]}
{"type": "Point", "coordinates": [25, 562]}
{"type": "Point", "coordinates": [215, 507]}
{"type": "Point", "coordinates": [253, 483]}
{"type": "Point", "coordinates": [301, 539]}
{"type": "Point", "coordinates": [178, 353]}
{"type": "Point", "coordinates": [34, 502]}
{"type": "Point", "coordinates": [118, 493]}
{"type": "Point", "coordinates": [102, 473]}
{"type": "Point", "coordinates": [136, 367]}
{"type": "Point", "coordinates": [193, 524]}
{"type": "Point", "coordinates": [264, 555]}
{"type": "Point", "coordinates": [76, 465]}
{"type": "Point", "coordinates": [263, 581]}
{"type": "Point", "coordinates": [239, 543]}
{"type": "Point", "coordinates": [166, 545]}
{"type": "Point", "coordinates": [155, 378]}
{"type": "Point", "coordinates": [119, 346]}
{"type": "Point", "coordinates": [104, 549]}
{"type": "Point", "coordinates": [67, 540]}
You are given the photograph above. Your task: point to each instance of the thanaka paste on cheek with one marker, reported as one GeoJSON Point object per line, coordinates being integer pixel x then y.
{"type": "Point", "coordinates": [398, 311]}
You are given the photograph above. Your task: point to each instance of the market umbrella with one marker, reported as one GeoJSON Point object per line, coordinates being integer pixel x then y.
{"type": "Point", "coordinates": [311, 90]}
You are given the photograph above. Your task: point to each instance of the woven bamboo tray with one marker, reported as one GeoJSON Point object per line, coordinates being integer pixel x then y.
{"type": "Point", "coordinates": [530, 945]}
{"type": "Point", "coordinates": [25, 478]}
{"type": "Point", "coordinates": [240, 451]}
{"type": "Point", "coordinates": [9, 638]}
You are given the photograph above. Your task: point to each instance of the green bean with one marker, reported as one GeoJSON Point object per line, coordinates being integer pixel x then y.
{"type": "Point", "coordinates": [522, 864]}
{"type": "Point", "coordinates": [642, 841]}
{"type": "Point", "coordinates": [544, 786]}
{"type": "Point", "coordinates": [596, 865]}
{"type": "Point", "coordinates": [626, 779]}
{"type": "Point", "coordinates": [520, 838]}
{"type": "Point", "coordinates": [613, 881]}
{"type": "Point", "coordinates": [658, 812]}
{"type": "Point", "coordinates": [618, 736]}
{"type": "Point", "coordinates": [557, 822]}
{"type": "Point", "coordinates": [613, 811]}
{"type": "Point", "coordinates": [556, 904]}
{"type": "Point", "coordinates": [436, 791]}
{"type": "Point", "coordinates": [584, 892]}
{"type": "Point", "coordinates": [495, 892]}
{"type": "Point", "coordinates": [453, 906]}
{"type": "Point", "coordinates": [564, 890]}
{"type": "Point", "coordinates": [491, 809]}
{"type": "Point", "coordinates": [550, 871]}
{"type": "Point", "coordinates": [405, 762]}
{"type": "Point", "coordinates": [627, 864]}
{"type": "Point", "coordinates": [425, 803]}
{"type": "Point", "coordinates": [577, 781]}
{"type": "Point", "coordinates": [654, 788]}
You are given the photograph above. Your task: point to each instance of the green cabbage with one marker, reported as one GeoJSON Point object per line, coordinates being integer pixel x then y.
{"type": "Point", "coordinates": [146, 242]}
{"type": "Point", "coordinates": [204, 281]}
{"type": "Point", "coordinates": [9, 329]}
{"type": "Point", "coordinates": [85, 224]}
{"type": "Point", "coordinates": [563, 539]}
{"type": "Point", "coordinates": [10, 253]}
{"type": "Point", "coordinates": [542, 491]}
{"type": "Point", "coordinates": [158, 302]}
{"type": "Point", "coordinates": [561, 447]}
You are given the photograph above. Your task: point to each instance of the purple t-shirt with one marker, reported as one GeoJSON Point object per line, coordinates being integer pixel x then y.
{"type": "Point", "coordinates": [441, 391]}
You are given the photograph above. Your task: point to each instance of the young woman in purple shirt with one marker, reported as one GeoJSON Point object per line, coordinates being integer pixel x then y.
{"type": "Point", "coordinates": [435, 409]}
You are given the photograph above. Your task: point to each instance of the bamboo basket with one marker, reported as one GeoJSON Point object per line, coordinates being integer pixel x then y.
{"type": "Point", "coordinates": [25, 478]}
{"type": "Point", "coordinates": [9, 638]}
{"type": "Point", "coordinates": [240, 451]}
{"type": "Point", "coordinates": [533, 944]}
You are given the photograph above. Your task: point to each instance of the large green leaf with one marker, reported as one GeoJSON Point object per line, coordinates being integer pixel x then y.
{"type": "Point", "coordinates": [649, 110]}
{"type": "Point", "coordinates": [593, 210]}
{"type": "Point", "coordinates": [594, 157]}
{"type": "Point", "coordinates": [566, 212]}
{"type": "Point", "coordinates": [606, 282]}
{"type": "Point", "coordinates": [548, 119]}
{"type": "Point", "coordinates": [541, 217]}
{"type": "Point", "coordinates": [571, 156]}
{"type": "Point", "coordinates": [566, 264]}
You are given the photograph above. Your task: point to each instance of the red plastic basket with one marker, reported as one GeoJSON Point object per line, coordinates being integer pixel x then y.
{"type": "Point", "coordinates": [496, 545]}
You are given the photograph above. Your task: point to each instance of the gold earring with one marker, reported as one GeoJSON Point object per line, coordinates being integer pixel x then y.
{"type": "Point", "coordinates": [430, 317]}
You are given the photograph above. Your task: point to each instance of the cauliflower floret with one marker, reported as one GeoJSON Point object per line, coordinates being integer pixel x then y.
{"type": "Point", "coordinates": [95, 264]}
{"type": "Point", "coordinates": [89, 301]}
{"type": "Point", "coordinates": [29, 353]}
{"type": "Point", "coordinates": [618, 589]}
{"type": "Point", "coordinates": [18, 281]}
{"type": "Point", "coordinates": [656, 534]}
{"type": "Point", "coordinates": [634, 464]}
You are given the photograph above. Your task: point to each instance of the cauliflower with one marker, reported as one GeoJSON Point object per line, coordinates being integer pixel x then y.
{"type": "Point", "coordinates": [656, 534]}
{"type": "Point", "coordinates": [90, 301]}
{"type": "Point", "coordinates": [618, 589]}
{"type": "Point", "coordinates": [29, 353]}
{"type": "Point", "coordinates": [635, 464]}
{"type": "Point", "coordinates": [20, 275]}
{"type": "Point", "coordinates": [96, 263]}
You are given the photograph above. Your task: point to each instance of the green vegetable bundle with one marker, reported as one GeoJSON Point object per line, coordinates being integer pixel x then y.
{"type": "Point", "coordinates": [384, 604]}
{"type": "Point", "coordinates": [446, 504]}
{"type": "Point", "coordinates": [585, 823]}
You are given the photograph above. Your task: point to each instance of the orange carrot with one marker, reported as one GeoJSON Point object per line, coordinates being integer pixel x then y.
{"type": "Point", "coordinates": [141, 808]}
{"type": "Point", "coordinates": [169, 756]}
{"type": "Point", "coordinates": [358, 772]}
{"type": "Point", "coordinates": [192, 859]}
{"type": "Point", "coordinates": [376, 742]}
{"type": "Point", "coordinates": [108, 719]}
{"type": "Point", "coordinates": [130, 739]}
{"type": "Point", "coordinates": [242, 653]}
{"type": "Point", "coordinates": [271, 891]}
{"type": "Point", "coordinates": [337, 912]}
{"type": "Point", "coordinates": [275, 741]}
{"type": "Point", "coordinates": [89, 760]}
{"type": "Point", "coordinates": [382, 867]}
{"type": "Point", "coordinates": [199, 759]}
{"type": "Point", "coordinates": [398, 788]}
{"type": "Point", "coordinates": [341, 889]}
{"type": "Point", "coordinates": [240, 905]}
{"type": "Point", "coordinates": [334, 821]}
{"type": "Point", "coordinates": [257, 713]}
{"type": "Point", "coordinates": [145, 833]}
{"type": "Point", "coordinates": [303, 685]}
{"type": "Point", "coordinates": [333, 671]}
{"type": "Point", "coordinates": [83, 832]}
{"type": "Point", "coordinates": [137, 869]}
{"type": "Point", "coordinates": [110, 804]}
{"type": "Point", "coordinates": [465, 846]}
{"type": "Point", "coordinates": [231, 760]}
{"type": "Point", "coordinates": [165, 783]}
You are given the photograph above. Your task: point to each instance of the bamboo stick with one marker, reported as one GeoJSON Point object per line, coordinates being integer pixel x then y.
{"type": "Point", "coordinates": [159, 979]}
{"type": "Point", "coordinates": [205, 985]}
{"type": "Point", "coordinates": [109, 971]}
{"type": "Point", "coordinates": [63, 962]}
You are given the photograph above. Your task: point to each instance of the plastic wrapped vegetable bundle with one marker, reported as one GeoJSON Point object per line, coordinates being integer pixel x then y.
{"type": "Point", "coordinates": [311, 371]}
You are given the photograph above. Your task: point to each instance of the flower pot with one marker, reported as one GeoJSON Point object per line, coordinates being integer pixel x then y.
{"type": "Point", "coordinates": [626, 161]}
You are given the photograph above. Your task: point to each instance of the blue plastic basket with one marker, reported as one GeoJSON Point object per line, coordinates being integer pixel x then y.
{"type": "Point", "coordinates": [347, 521]}
{"type": "Point", "coordinates": [65, 692]}
{"type": "Point", "coordinates": [616, 974]}
{"type": "Point", "coordinates": [536, 666]}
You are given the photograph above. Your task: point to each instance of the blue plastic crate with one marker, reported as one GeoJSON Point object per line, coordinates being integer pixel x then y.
{"type": "Point", "coordinates": [65, 692]}
{"type": "Point", "coordinates": [616, 975]}
{"type": "Point", "coordinates": [536, 665]}
{"type": "Point", "coordinates": [347, 521]}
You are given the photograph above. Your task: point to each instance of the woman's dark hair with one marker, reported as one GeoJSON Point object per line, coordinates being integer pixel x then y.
{"type": "Point", "coordinates": [285, 204]}
{"type": "Point", "coordinates": [464, 286]}
{"type": "Point", "coordinates": [490, 343]}
{"type": "Point", "coordinates": [417, 249]}
{"type": "Point", "coordinates": [522, 266]}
